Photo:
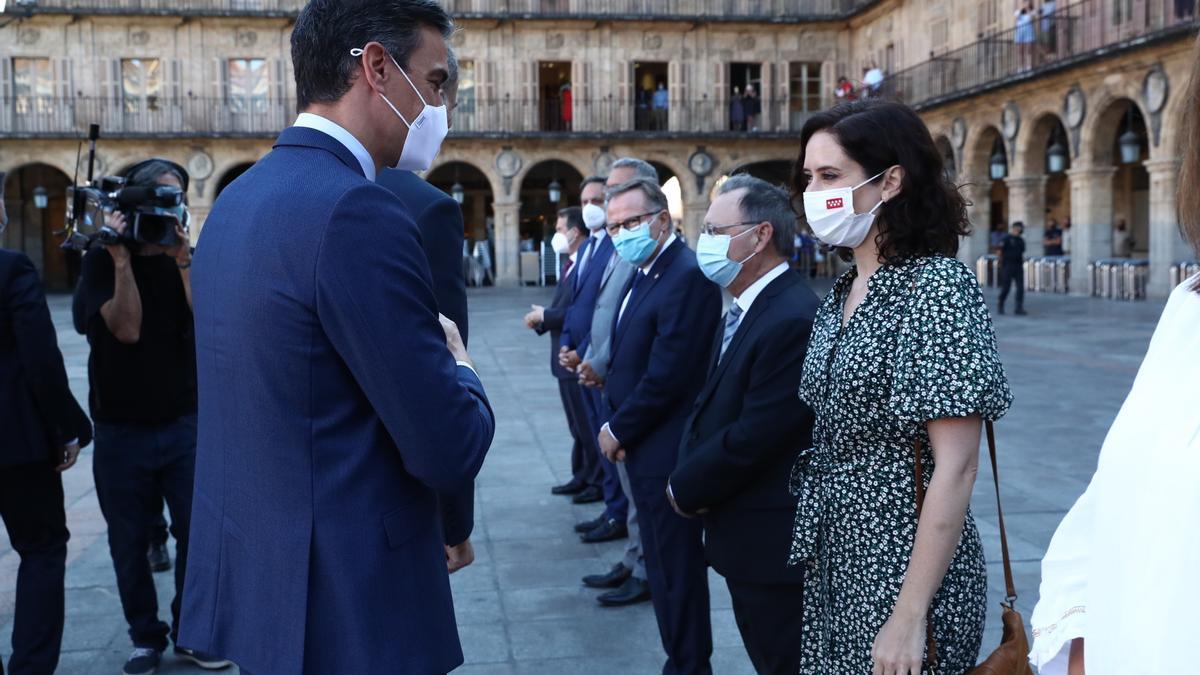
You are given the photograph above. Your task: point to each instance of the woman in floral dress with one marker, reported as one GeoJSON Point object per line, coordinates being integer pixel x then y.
{"type": "Point", "coordinates": [902, 352]}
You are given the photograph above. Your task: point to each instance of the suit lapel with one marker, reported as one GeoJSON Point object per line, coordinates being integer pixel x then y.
{"type": "Point", "coordinates": [644, 289]}
{"type": "Point", "coordinates": [583, 255]}
{"type": "Point", "coordinates": [760, 307]}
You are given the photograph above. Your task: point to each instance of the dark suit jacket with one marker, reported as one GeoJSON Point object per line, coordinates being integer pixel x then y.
{"type": "Point", "coordinates": [659, 360]}
{"type": "Point", "coordinates": [552, 322]}
{"type": "Point", "coordinates": [39, 414]}
{"type": "Point", "coordinates": [331, 415]}
{"type": "Point", "coordinates": [744, 433]}
{"type": "Point", "coordinates": [439, 218]}
{"type": "Point", "coordinates": [577, 325]}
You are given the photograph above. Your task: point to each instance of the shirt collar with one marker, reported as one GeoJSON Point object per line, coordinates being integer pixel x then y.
{"type": "Point", "coordinates": [600, 233]}
{"type": "Point", "coordinates": [649, 266]}
{"type": "Point", "coordinates": [748, 296]}
{"type": "Point", "coordinates": [339, 133]}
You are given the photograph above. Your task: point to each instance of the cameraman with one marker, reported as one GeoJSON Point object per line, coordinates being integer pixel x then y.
{"type": "Point", "coordinates": [134, 304]}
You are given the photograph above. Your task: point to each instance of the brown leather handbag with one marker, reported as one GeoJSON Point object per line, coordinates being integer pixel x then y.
{"type": "Point", "coordinates": [1011, 657]}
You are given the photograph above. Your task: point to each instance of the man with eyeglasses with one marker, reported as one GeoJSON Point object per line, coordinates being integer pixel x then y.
{"type": "Point", "coordinates": [658, 361]}
{"type": "Point", "coordinates": [748, 425]}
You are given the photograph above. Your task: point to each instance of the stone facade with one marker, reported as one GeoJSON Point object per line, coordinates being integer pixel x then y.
{"type": "Point", "coordinates": [515, 131]}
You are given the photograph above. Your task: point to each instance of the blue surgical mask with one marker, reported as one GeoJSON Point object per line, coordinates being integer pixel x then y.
{"type": "Point", "coordinates": [636, 246]}
{"type": "Point", "coordinates": [712, 253]}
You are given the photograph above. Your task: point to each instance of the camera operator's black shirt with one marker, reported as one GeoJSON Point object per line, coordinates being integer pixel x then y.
{"type": "Point", "coordinates": [154, 380]}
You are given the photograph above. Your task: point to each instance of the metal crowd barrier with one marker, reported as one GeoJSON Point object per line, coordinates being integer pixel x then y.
{"type": "Point", "coordinates": [1181, 272]}
{"type": "Point", "coordinates": [1048, 274]}
{"type": "Point", "coordinates": [987, 268]}
{"type": "Point", "coordinates": [1118, 278]}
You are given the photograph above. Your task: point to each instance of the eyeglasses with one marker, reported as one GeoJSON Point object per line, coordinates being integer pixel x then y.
{"type": "Point", "coordinates": [633, 221]}
{"type": "Point", "coordinates": [709, 228]}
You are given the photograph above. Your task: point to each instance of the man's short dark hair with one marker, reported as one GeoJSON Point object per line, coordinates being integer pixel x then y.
{"type": "Point", "coordinates": [592, 180]}
{"type": "Point", "coordinates": [327, 30]}
{"type": "Point", "coordinates": [574, 216]}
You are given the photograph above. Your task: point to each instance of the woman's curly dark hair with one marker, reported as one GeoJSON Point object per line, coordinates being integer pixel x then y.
{"type": "Point", "coordinates": [929, 216]}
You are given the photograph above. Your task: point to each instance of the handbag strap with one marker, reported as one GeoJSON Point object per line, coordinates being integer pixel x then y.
{"type": "Point", "coordinates": [1009, 587]}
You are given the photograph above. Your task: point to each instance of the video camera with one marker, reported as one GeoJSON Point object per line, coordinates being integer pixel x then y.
{"type": "Point", "coordinates": [151, 211]}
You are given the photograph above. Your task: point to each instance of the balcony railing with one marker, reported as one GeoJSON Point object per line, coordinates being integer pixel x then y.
{"type": "Point", "coordinates": [681, 10]}
{"type": "Point", "coordinates": [1073, 34]}
{"type": "Point", "coordinates": [43, 117]}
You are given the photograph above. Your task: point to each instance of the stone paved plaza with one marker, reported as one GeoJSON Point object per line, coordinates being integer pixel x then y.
{"type": "Point", "coordinates": [521, 607]}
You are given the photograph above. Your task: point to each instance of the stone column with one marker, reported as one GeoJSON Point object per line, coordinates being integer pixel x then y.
{"type": "Point", "coordinates": [507, 220]}
{"type": "Point", "coordinates": [693, 219]}
{"type": "Point", "coordinates": [977, 192]}
{"type": "Point", "coordinates": [1091, 221]}
{"type": "Point", "coordinates": [1027, 203]}
{"type": "Point", "coordinates": [1167, 246]}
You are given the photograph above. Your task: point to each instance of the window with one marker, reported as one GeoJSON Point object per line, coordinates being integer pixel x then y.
{"type": "Point", "coordinates": [939, 35]}
{"type": "Point", "coordinates": [464, 111]}
{"type": "Point", "coordinates": [804, 91]}
{"type": "Point", "coordinates": [33, 85]}
{"type": "Point", "coordinates": [988, 17]}
{"type": "Point", "coordinates": [248, 85]}
{"type": "Point", "coordinates": [141, 84]}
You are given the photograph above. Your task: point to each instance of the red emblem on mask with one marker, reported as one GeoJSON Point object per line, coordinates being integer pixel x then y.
{"type": "Point", "coordinates": [834, 203]}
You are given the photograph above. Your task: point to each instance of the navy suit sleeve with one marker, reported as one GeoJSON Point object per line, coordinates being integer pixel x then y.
{"type": "Point", "coordinates": [436, 412]}
{"type": "Point", "coordinates": [442, 233]}
{"type": "Point", "coordinates": [552, 319]}
{"type": "Point", "coordinates": [685, 330]}
{"type": "Point", "coordinates": [773, 419]}
{"type": "Point", "coordinates": [37, 350]}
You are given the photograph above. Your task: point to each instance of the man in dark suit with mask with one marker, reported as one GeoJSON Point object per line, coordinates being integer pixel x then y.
{"type": "Point", "coordinates": [43, 428]}
{"type": "Point", "coordinates": [748, 425]}
{"type": "Point", "coordinates": [658, 358]}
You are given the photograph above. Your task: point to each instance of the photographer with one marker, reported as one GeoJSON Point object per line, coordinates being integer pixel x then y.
{"type": "Point", "coordinates": [134, 304]}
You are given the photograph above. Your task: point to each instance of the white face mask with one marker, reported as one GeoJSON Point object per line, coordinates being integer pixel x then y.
{"type": "Point", "coordinates": [830, 214]}
{"type": "Point", "coordinates": [425, 133]}
{"type": "Point", "coordinates": [560, 243]}
{"type": "Point", "coordinates": [593, 217]}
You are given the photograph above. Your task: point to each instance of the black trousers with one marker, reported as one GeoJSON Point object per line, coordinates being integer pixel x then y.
{"type": "Point", "coordinates": [770, 618]}
{"type": "Point", "coordinates": [135, 467]}
{"type": "Point", "coordinates": [1012, 275]}
{"type": "Point", "coordinates": [31, 504]}
{"type": "Point", "coordinates": [673, 547]}
{"type": "Point", "coordinates": [585, 453]}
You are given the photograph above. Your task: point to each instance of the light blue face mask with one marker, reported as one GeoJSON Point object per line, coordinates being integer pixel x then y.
{"type": "Point", "coordinates": [636, 246]}
{"type": "Point", "coordinates": [712, 253]}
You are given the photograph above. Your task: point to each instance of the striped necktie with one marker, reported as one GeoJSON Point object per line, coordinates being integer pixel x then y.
{"type": "Point", "coordinates": [732, 318]}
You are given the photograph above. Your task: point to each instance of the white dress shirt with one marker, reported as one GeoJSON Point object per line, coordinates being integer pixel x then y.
{"type": "Point", "coordinates": [748, 296]}
{"type": "Point", "coordinates": [592, 249]}
{"type": "Point", "coordinates": [327, 126]}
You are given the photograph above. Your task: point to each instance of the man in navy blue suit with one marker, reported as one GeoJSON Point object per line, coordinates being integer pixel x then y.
{"type": "Point", "coordinates": [43, 428]}
{"type": "Point", "coordinates": [440, 220]}
{"type": "Point", "coordinates": [660, 349]}
{"type": "Point", "coordinates": [748, 425]}
{"type": "Point", "coordinates": [334, 404]}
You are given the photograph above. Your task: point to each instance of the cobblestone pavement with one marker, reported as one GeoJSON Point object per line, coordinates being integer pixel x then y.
{"type": "Point", "coordinates": [521, 607]}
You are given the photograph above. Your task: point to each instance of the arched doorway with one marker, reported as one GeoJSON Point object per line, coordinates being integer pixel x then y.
{"type": "Point", "coordinates": [673, 189]}
{"type": "Point", "coordinates": [36, 198]}
{"type": "Point", "coordinates": [775, 172]}
{"type": "Point", "coordinates": [946, 150]}
{"type": "Point", "coordinates": [997, 167]}
{"type": "Point", "coordinates": [470, 188]}
{"type": "Point", "coordinates": [1054, 152]}
{"type": "Point", "coordinates": [230, 176]}
{"type": "Point", "coordinates": [1129, 145]}
{"type": "Point", "coordinates": [538, 211]}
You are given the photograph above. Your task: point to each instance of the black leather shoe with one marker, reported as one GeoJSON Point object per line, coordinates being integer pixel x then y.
{"type": "Point", "coordinates": [572, 487]}
{"type": "Point", "coordinates": [589, 525]}
{"type": "Point", "coordinates": [589, 495]}
{"type": "Point", "coordinates": [609, 531]}
{"type": "Point", "coordinates": [1021, 312]}
{"type": "Point", "coordinates": [631, 592]}
{"type": "Point", "coordinates": [160, 559]}
{"type": "Point", "coordinates": [614, 578]}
